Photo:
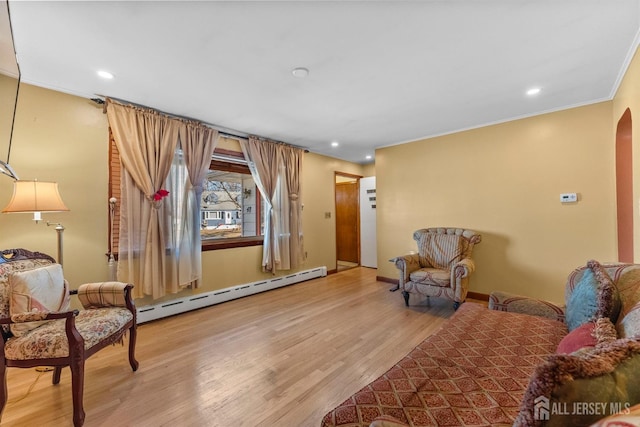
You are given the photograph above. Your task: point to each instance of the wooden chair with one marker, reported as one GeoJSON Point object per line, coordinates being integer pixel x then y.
{"type": "Point", "coordinates": [65, 338]}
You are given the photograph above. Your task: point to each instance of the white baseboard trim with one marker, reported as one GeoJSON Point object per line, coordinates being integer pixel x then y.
{"type": "Point", "coordinates": [193, 302]}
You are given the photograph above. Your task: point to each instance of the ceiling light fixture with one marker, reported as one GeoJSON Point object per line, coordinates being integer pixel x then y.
{"type": "Point", "coordinates": [105, 74]}
{"type": "Point", "coordinates": [300, 72]}
{"type": "Point", "coordinates": [334, 144]}
{"type": "Point", "coordinates": [368, 157]}
{"type": "Point", "coordinates": [534, 91]}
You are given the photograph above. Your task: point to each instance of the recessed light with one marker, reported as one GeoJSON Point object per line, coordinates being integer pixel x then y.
{"type": "Point", "coordinates": [368, 157]}
{"type": "Point", "coordinates": [334, 144]}
{"type": "Point", "coordinates": [105, 74]}
{"type": "Point", "coordinates": [534, 91]}
{"type": "Point", "coordinates": [300, 72]}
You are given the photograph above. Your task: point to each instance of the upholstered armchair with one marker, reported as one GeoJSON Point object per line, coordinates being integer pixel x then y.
{"type": "Point", "coordinates": [39, 329]}
{"type": "Point", "coordinates": [442, 266]}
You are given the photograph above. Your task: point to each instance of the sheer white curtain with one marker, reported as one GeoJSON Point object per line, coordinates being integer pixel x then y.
{"type": "Point", "coordinates": [275, 168]}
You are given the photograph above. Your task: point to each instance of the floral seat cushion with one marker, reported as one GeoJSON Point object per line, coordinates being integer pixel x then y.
{"type": "Point", "coordinates": [50, 340]}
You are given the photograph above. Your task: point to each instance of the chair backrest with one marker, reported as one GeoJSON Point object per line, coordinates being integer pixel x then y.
{"type": "Point", "coordinates": [442, 247]}
{"type": "Point", "coordinates": [16, 260]}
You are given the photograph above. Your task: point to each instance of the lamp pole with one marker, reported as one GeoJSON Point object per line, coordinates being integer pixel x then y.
{"type": "Point", "coordinates": [59, 230]}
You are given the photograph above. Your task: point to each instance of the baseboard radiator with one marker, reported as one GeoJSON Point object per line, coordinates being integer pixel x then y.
{"type": "Point", "coordinates": [193, 302]}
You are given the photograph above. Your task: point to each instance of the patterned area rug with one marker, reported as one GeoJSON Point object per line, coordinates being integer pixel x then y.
{"type": "Point", "coordinates": [472, 372]}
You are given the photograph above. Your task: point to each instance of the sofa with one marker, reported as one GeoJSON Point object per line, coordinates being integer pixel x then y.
{"type": "Point", "coordinates": [518, 361]}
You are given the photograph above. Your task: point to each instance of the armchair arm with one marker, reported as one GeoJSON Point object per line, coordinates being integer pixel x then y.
{"type": "Point", "coordinates": [463, 268]}
{"type": "Point", "coordinates": [407, 264]}
{"type": "Point", "coordinates": [36, 316]}
{"type": "Point", "coordinates": [106, 294]}
{"type": "Point", "coordinates": [504, 301]}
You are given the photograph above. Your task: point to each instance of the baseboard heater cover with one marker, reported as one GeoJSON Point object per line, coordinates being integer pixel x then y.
{"type": "Point", "coordinates": [193, 302]}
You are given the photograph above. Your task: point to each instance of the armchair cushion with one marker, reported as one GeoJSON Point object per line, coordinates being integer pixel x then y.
{"type": "Point", "coordinates": [50, 339]}
{"type": "Point", "coordinates": [431, 276]}
{"type": "Point", "coordinates": [42, 290]}
{"type": "Point", "coordinates": [440, 250]}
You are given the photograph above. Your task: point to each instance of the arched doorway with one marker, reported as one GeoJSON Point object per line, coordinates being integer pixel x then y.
{"type": "Point", "coordinates": [624, 187]}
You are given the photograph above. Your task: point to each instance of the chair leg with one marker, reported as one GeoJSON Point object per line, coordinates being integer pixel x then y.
{"type": "Point", "coordinates": [405, 294]}
{"type": "Point", "coordinates": [77, 390]}
{"type": "Point", "coordinates": [56, 374]}
{"type": "Point", "coordinates": [132, 348]}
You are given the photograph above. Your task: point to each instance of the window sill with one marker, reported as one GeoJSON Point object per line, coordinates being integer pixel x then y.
{"type": "Point", "coordinates": [239, 242]}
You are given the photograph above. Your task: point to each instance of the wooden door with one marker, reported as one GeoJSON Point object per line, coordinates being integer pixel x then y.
{"type": "Point", "coordinates": [347, 227]}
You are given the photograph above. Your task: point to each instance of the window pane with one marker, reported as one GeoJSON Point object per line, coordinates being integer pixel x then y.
{"type": "Point", "coordinates": [229, 207]}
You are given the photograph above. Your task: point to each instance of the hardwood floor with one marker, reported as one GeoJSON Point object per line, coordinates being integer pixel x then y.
{"type": "Point", "coordinates": [281, 358]}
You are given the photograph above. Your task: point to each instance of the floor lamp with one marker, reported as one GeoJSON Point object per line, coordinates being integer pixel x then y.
{"type": "Point", "coordinates": [37, 197]}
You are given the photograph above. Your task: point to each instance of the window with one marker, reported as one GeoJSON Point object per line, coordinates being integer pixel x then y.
{"type": "Point", "coordinates": [230, 209]}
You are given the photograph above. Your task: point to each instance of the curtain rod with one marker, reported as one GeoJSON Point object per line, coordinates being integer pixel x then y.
{"type": "Point", "coordinates": [226, 132]}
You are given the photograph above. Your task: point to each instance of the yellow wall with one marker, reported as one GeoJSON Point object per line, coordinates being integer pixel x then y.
{"type": "Point", "coordinates": [504, 181]}
{"type": "Point", "coordinates": [628, 96]}
{"type": "Point", "coordinates": [63, 138]}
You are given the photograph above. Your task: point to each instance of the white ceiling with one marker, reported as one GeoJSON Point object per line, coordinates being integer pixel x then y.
{"type": "Point", "coordinates": [381, 72]}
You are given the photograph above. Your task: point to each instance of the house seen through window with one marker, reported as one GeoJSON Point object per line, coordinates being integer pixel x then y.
{"type": "Point", "coordinates": [231, 203]}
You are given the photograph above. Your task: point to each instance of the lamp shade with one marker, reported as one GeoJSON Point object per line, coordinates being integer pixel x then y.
{"type": "Point", "coordinates": [35, 196]}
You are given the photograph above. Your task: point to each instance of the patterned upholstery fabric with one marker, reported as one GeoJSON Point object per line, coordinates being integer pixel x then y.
{"type": "Point", "coordinates": [472, 372]}
{"type": "Point", "coordinates": [50, 340]}
{"type": "Point", "coordinates": [6, 269]}
{"type": "Point", "coordinates": [431, 276]}
{"type": "Point", "coordinates": [504, 301]}
{"type": "Point", "coordinates": [440, 250]}
{"type": "Point", "coordinates": [449, 248]}
{"type": "Point", "coordinates": [105, 294]}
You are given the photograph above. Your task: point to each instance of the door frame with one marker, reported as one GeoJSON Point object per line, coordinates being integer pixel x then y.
{"type": "Point", "coordinates": [335, 202]}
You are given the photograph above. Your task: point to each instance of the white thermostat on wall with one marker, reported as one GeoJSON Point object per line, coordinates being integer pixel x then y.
{"type": "Point", "coordinates": [568, 197]}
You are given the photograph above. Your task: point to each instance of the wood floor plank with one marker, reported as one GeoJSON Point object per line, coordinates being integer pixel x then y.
{"type": "Point", "coordinates": [281, 358]}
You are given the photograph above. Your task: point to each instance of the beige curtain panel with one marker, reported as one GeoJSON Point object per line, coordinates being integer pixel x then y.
{"type": "Point", "coordinates": [278, 169]}
{"type": "Point", "coordinates": [147, 142]}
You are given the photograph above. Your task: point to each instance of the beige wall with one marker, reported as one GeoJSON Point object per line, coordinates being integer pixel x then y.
{"type": "Point", "coordinates": [505, 181]}
{"type": "Point", "coordinates": [59, 137]}
{"type": "Point", "coordinates": [63, 138]}
{"type": "Point", "coordinates": [628, 96]}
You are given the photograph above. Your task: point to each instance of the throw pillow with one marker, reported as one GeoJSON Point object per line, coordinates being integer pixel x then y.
{"type": "Point", "coordinates": [580, 337]}
{"type": "Point", "coordinates": [580, 388]}
{"type": "Point", "coordinates": [40, 289]}
{"type": "Point", "coordinates": [593, 296]}
{"type": "Point", "coordinates": [588, 335]}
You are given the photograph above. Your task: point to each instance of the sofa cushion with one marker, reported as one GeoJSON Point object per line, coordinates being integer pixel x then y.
{"type": "Point", "coordinates": [593, 296]}
{"type": "Point", "coordinates": [440, 250]}
{"type": "Point", "coordinates": [601, 380]}
{"type": "Point", "coordinates": [628, 284]}
{"type": "Point", "coordinates": [42, 289]}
